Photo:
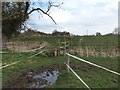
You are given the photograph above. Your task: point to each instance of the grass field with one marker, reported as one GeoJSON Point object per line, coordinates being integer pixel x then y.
{"type": "Point", "coordinates": [25, 65]}
{"type": "Point", "coordinates": [107, 42]}
{"type": "Point", "coordinates": [96, 45]}
{"type": "Point", "coordinates": [93, 76]}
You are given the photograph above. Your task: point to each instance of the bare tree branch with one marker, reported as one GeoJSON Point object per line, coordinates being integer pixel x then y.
{"type": "Point", "coordinates": [48, 9]}
{"type": "Point", "coordinates": [24, 26]}
{"type": "Point", "coordinates": [15, 14]}
{"type": "Point", "coordinates": [52, 5]}
{"type": "Point", "coordinates": [42, 12]}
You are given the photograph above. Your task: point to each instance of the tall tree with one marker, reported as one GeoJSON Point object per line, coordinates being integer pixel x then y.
{"type": "Point", "coordinates": [14, 14]}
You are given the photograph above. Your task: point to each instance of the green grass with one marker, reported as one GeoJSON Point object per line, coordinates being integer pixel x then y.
{"type": "Point", "coordinates": [93, 76]}
{"type": "Point", "coordinates": [93, 80]}
{"type": "Point", "coordinates": [67, 80]}
{"type": "Point", "coordinates": [108, 62]}
{"type": "Point", "coordinates": [25, 65]}
{"type": "Point", "coordinates": [106, 42]}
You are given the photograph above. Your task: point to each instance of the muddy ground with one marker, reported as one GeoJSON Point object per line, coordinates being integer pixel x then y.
{"type": "Point", "coordinates": [25, 81]}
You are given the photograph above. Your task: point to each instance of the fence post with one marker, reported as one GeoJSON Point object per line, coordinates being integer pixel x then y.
{"type": "Point", "coordinates": [87, 51]}
{"type": "Point", "coordinates": [68, 63]}
{"type": "Point", "coordinates": [13, 47]}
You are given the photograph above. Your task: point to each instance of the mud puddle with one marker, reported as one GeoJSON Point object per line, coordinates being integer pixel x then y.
{"type": "Point", "coordinates": [40, 77]}
{"type": "Point", "coordinates": [43, 79]}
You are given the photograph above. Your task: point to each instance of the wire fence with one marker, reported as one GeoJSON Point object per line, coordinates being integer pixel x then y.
{"type": "Point", "coordinates": [27, 51]}
{"type": "Point", "coordinates": [69, 55]}
{"type": "Point", "coordinates": [78, 77]}
{"type": "Point", "coordinates": [67, 64]}
{"type": "Point", "coordinates": [1, 67]}
{"type": "Point", "coordinates": [93, 64]}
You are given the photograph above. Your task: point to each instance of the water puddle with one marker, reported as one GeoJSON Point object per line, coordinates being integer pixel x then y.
{"type": "Point", "coordinates": [44, 79]}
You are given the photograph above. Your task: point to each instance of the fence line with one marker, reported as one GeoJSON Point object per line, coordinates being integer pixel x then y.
{"type": "Point", "coordinates": [78, 77]}
{"type": "Point", "coordinates": [35, 49]}
{"type": "Point", "coordinates": [26, 51]}
{"type": "Point", "coordinates": [93, 64]}
{"type": "Point", "coordinates": [9, 65]}
{"type": "Point", "coordinates": [1, 52]}
{"type": "Point", "coordinates": [36, 54]}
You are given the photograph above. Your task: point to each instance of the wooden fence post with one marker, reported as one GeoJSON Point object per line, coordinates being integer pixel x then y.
{"type": "Point", "coordinates": [68, 63]}
{"type": "Point", "coordinates": [13, 47]}
{"type": "Point", "coordinates": [87, 51]}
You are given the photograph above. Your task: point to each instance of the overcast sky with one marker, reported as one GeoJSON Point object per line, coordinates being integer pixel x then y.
{"type": "Point", "coordinates": [78, 17]}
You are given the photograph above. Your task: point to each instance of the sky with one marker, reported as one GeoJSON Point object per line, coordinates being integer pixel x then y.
{"type": "Point", "coordinates": [79, 17]}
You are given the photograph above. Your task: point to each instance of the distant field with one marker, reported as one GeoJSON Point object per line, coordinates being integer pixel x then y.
{"type": "Point", "coordinates": [95, 45]}
{"type": "Point", "coordinates": [105, 41]}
